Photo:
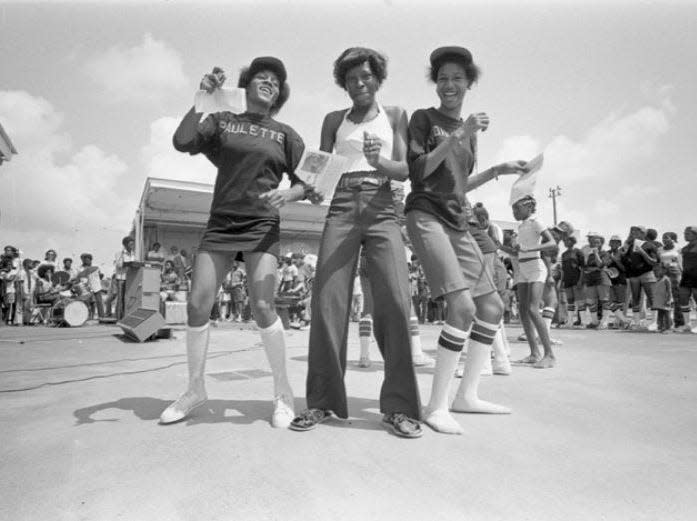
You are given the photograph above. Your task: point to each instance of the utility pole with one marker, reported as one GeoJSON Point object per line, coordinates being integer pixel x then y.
{"type": "Point", "coordinates": [553, 194]}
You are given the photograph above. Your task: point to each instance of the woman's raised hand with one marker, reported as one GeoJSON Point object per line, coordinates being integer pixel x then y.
{"type": "Point", "coordinates": [512, 167]}
{"type": "Point", "coordinates": [371, 149]}
{"type": "Point", "coordinates": [475, 122]}
{"type": "Point", "coordinates": [213, 80]}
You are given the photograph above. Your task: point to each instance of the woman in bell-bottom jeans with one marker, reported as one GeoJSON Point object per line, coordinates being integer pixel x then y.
{"type": "Point", "coordinates": [362, 212]}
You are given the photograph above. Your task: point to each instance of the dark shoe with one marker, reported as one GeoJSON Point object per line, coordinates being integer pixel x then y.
{"type": "Point", "coordinates": [309, 419]}
{"type": "Point", "coordinates": [401, 425]}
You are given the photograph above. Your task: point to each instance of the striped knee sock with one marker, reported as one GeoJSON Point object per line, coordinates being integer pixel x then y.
{"type": "Point", "coordinates": [450, 344]}
{"type": "Point", "coordinates": [365, 331]}
{"type": "Point", "coordinates": [547, 316]}
{"type": "Point", "coordinates": [481, 338]}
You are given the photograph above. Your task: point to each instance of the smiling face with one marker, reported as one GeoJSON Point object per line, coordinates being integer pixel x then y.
{"type": "Point", "coordinates": [451, 85]}
{"type": "Point", "coordinates": [263, 89]}
{"type": "Point", "coordinates": [362, 84]}
{"type": "Point", "coordinates": [521, 211]}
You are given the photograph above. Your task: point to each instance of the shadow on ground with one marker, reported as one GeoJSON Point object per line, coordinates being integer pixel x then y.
{"type": "Point", "coordinates": [241, 412]}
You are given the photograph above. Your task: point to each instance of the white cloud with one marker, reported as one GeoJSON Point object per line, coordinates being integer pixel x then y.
{"type": "Point", "coordinates": [143, 73]}
{"type": "Point", "coordinates": [160, 159]}
{"type": "Point", "coordinates": [608, 178]}
{"type": "Point", "coordinates": [54, 195]}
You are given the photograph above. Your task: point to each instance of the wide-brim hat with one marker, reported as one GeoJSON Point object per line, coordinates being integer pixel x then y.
{"type": "Point", "coordinates": [615, 238]}
{"type": "Point", "coordinates": [269, 63]}
{"type": "Point", "coordinates": [593, 234]}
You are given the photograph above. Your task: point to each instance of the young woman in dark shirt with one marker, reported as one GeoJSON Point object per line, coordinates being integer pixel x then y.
{"type": "Point", "coordinates": [251, 151]}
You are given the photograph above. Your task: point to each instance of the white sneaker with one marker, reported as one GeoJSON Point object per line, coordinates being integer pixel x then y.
{"type": "Point", "coordinates": [653, 327]}
{"type": "Point", "coordinates": [283, 412]}
{"type": "Point", "coordinates": [181, 408]}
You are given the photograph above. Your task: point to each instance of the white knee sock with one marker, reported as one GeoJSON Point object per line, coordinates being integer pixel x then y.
{"type": "Point", "coordinates": [196, 350]}
{"type": "Point", "coordinates": [416, 351]}
{"type": "Point", "coordinates": [467, 398]}
{"type": "Point", "coordinates": [274, 339]}
{"type": "Point", "coordinates": [437, 415]}
{"type": "Point", "coordinates": [501, 363]}
{"type": "Point", "coordinates": [365, 331]}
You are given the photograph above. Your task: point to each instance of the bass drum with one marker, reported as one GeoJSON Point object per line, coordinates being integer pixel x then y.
{"type": "Point", "coordinates": [70, 313]}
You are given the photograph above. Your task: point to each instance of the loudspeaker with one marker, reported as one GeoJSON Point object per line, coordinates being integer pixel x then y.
{"type": "Point", "coordinates": [141, 324]}
{"type": "Point", "coordinates": [142, 288]}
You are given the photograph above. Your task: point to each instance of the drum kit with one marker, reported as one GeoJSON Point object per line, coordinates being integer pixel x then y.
{"type": "Point", "coordinates": [71, 310]}
{"type": "Point", "coordinates": [68, 312]}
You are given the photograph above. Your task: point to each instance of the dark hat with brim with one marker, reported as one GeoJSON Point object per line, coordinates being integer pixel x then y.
{"type": "Point", "coordinates": [269, 63]}
{"type": "Point", "coordinates": [450, 52]}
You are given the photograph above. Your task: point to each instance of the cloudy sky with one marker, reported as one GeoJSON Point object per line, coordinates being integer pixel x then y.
{"type": "Point", "coordinates": [91, 93]}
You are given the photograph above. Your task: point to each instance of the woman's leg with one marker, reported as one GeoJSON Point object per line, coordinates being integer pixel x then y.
{"type": "Point", "coordinates": [261, 273]}
{"type": "Point", "coordinates": [389, 282]}
{"type": "Point", "coordinates": [208, 273]}
{"type": "Point", "coordinates": [331, 298]}
{"type": "Point", "coordinates": [489, 310]}
{"type": "Point", "coordinates": [535, 296]}
{"type": "Point", "coordinates": [526, 322]}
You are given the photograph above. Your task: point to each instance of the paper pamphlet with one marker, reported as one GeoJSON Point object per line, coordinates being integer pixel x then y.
{"type": "Point", "coordinates": [525, 184]}
{"type": "Point", "coordinates": [221, 100]}
{"type": "Point", "coordinates": [321, 170]}
{"type": "Point", "coordinates": [637, 244]}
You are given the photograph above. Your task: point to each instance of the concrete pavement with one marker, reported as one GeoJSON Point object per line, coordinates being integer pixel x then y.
{"type": "Point", "coordinates": [608, 434]}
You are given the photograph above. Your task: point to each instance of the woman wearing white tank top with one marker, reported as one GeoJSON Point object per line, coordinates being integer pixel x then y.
{"type": "Point", "coordinates": [362, 212]}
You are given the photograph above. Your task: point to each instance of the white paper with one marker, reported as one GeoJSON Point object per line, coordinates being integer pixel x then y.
{"type": "Point", "coordinates": [637, 244]}
{"type": "Point", "coordinates": [321, 170]}
{"type": "Point", "coordinates": [221, 100]}
{"type": "Point", "coordinates": [535, 163]}
{"type": "Point", "coordinates": [525, 184]}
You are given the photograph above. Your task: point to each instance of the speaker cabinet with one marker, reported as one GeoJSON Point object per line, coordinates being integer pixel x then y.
{"type": "Point", "coordinates": [142, 288]}
{"type": "Point", "coordinates": [141, 324]}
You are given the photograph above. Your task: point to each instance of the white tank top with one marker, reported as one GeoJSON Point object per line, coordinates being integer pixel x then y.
{"type": "Point", "coordinates": [349, 139]}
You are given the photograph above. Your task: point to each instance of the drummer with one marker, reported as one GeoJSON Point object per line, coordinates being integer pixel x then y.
{"type": "Point", "coordinates": [46, 292]}
{"type": "Point", "coordinates": [91, 277]}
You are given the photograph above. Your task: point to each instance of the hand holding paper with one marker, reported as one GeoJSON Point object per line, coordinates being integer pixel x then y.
{"type": "Point", "coordinates": [525, 184]}
{"type": "Point", "coordinates": [321, 170]}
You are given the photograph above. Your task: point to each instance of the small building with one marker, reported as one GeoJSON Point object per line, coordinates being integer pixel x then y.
{"type": "Point", "coordinates": [175, 213]}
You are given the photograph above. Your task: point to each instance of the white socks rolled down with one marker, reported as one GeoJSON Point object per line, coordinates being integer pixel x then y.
{"type": "Point", "coordinates": [195, 395]}
{"type": "Point", "coordinates": [274, 339]}
{"type": "Point", "coordinates": [467, 398]}
{"type": "Point", "coordinates": [436, 414]}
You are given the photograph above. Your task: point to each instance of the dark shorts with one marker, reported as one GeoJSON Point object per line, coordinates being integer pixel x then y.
{"type": "Point", "coordinates": [242, 234]}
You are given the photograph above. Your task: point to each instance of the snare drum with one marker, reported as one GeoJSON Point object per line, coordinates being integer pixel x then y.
{"type": "Point", "coordinates": [70, 313]}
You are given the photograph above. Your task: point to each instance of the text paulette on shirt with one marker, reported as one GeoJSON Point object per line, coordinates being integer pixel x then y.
{"type": "Point", "coordinates": [321, 170]}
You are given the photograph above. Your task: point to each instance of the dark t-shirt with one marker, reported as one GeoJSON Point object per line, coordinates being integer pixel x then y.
{"type": "Point", "coordinates": [442, 193]}
{"type": "Point", "coordinates": [571, 265]}
{"type": "Point", "coordinates": [251, 152]}
{"type": "Point", "coordinates": [635, 263]}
